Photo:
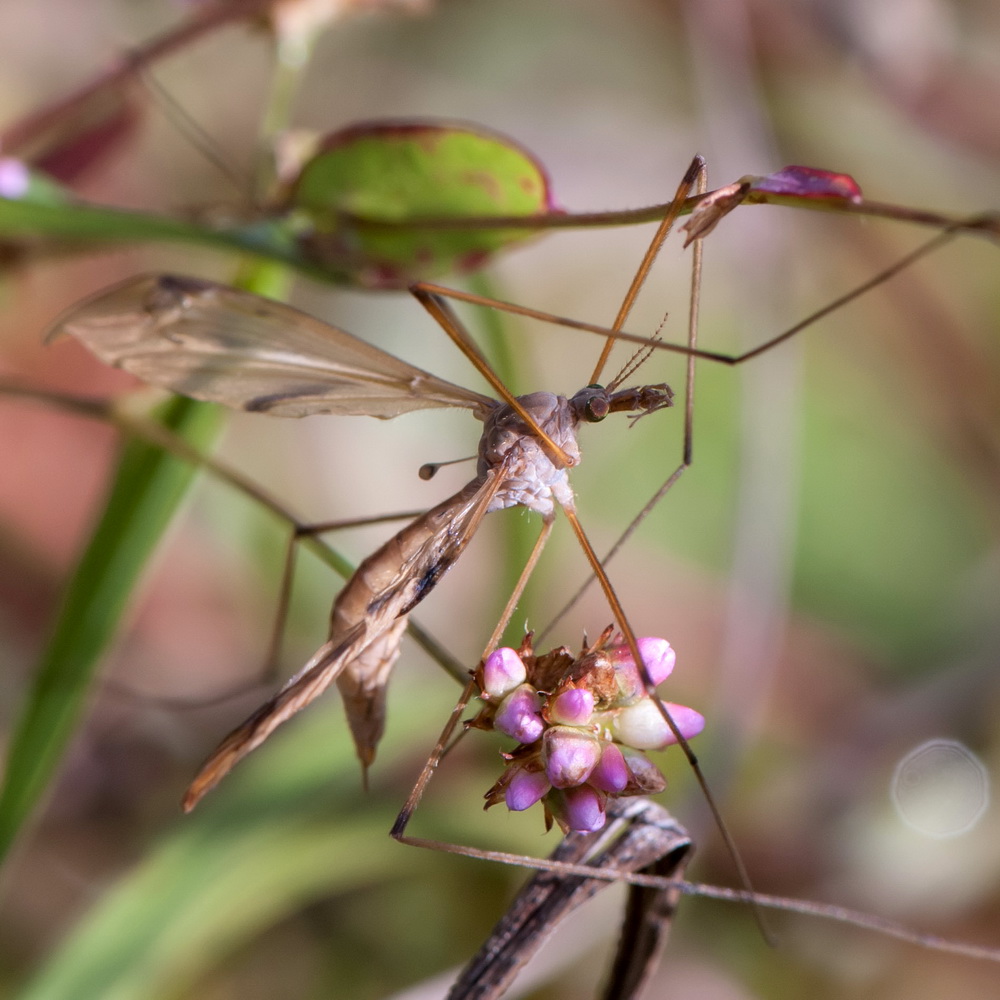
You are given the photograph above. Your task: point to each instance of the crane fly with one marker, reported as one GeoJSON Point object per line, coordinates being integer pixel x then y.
{"type": "Point", "coordinates": [215, 343]}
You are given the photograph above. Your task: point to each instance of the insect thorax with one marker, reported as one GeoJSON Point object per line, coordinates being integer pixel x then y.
{"type": "Point", "coordinates": [533, 479]}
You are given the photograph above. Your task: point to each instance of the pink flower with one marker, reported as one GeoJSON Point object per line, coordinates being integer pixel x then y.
{"type": "Point", "coordinates": [570, 755]}
{"type": "Point", "coordinates": [611, 773]}
{"type": "Point", "coordinates": [642, 725]}
{"type": "Point", "coordinates": [583, 809]}
{"type": "Point", "coordinates": [572, 707]}
{"type": "Point", "coordinates": [518, 715]}
{"type": "Point", "coordinates": [582, 724]}
{"type": "Point", "coordinates": [525, 789]}
{"type": "Point", "coordinates": [503, 671]}
{"type": "Point", "coordinates": [657, 655]}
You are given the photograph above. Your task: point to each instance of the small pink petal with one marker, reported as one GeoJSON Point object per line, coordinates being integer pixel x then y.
{"type": "Point", "coordinates": [570, 755]}
{"type": "Point", "coordinates": [659, 657]}
{"type": "Point", "coordinates": [687, 720]}
{"type": "Point", "coordinates": [502, 672]}
{"type": "Point", "coordinates": [611, 773]}
{"type": "Point", "coordinates": [518, 715]}
{"type": "Point", "coordinates": [573, 707]}
{"type": "Point", "coordinates": [525, 789]}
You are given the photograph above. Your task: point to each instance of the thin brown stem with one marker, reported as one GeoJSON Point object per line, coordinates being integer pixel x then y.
{"type": "Point", "coordinates": [787, 904]}
{"type": "Point", "coordinates": [985, 224]}
{"type": "Point", "coordinates": [206, 18]}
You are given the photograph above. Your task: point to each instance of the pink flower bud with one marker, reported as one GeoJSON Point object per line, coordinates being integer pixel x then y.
{"type": "Point", "coordinates": [570, 755]}
{"type": "Point", "coordinates": [502, 672]}
{"type": "Point", "coordinates": [656, 654]}
{"type": "Point", "coordinates": [583, 809]}
{"type": "Point", "coordinates": [525, 789]}
{"type": "Point", "coordinates": [642, 726]}
{"type": "Point", "coordinates": [611, 773]}
{"type": "Point", "coordinates": [573, 707]}
{"type": "Point", "coordinates": [518, 715]}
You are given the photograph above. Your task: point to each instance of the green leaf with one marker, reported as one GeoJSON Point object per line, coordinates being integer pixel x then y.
{"type": "Point", "coordinates": [395, 172]}
{"type": "Point", "coordinates": [147, 489]}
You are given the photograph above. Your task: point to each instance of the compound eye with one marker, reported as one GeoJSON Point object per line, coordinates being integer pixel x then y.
{"type": "Point", "coordinates": [596, 409]}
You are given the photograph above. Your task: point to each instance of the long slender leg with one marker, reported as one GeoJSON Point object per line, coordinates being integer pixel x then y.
{"type": "Point", "coordinates": [630, 639]}
{"type": "Point", "coordinates": [697, 252]}
{"type": "Point", "coordinates": [692, 351]}
{"type": "Point", "coordinates": [432, 298]}
{"type": "Point", "coordinates": [438, 308]}
{"type": "Point", "coordinates": [720, 357]}
{"type": "Point", "coordinates": [445, 317]}
{"type": "Point", "coordinates": [297, 534]}
{"type": "Point", "coordinates": [149, 430]}
{"type": "Point", "coordinates": [695, 172]}
{"type": "Point", "coordinates": [431, 764]}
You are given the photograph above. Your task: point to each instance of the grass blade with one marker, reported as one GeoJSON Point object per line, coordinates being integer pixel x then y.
{"type": "Point", "coordinates": [148, 487]}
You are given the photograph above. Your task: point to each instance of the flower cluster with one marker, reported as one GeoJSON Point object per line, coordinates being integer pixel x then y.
{"type": "Point", "coordinates": [582, 724]}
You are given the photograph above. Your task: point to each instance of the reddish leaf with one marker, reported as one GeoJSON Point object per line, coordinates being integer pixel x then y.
{"type": "Point", "coordinates": [809, 182]}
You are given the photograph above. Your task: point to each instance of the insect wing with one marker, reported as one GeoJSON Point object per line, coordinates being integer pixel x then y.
{"type": "Point", "coordinates": [385, 587]}
{"type": "Point", "coordinates": [217, 343]}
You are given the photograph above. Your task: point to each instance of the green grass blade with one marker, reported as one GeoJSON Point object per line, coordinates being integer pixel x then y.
{"type": "Point", "coordinates": [148, 487]}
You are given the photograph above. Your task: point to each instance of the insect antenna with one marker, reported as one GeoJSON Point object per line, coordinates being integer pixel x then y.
{"type": "Point", "coordinates": [638, 359]}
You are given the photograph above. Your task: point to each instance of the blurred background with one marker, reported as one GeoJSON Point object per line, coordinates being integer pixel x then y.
{"type": "Point", "coordinates": [827, 571]}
